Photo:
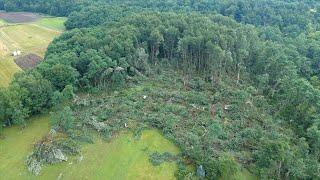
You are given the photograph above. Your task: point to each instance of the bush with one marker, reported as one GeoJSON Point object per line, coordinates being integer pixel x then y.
{"type": "Point", "coordinates": [227, 166]}
{"type": "Point", "coordinates": [63, 120]}
{"type": "Point", "coordinates": [157, 158]}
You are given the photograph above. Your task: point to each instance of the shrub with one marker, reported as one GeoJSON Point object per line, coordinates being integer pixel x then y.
{"type": "Point", "coordinates": [157, 158]}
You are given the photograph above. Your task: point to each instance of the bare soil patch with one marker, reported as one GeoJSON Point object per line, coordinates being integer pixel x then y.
{"type": "Point", "coordinates": [28, 61]}
{"type": "Point", "coordinates": [19, 17]}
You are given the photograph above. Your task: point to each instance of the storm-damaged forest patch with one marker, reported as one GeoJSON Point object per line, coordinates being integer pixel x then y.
{"type": "Point", "coordinates": [189, 118]}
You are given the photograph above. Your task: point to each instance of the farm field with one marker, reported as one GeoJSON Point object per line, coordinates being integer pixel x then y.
{"type": "Point", "coordinates": [29, 37]}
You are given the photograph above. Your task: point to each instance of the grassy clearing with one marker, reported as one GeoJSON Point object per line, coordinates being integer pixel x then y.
{"type": "Point", "coordinates": [55, 23]}
{"type": "Point", "coordinates": [122, 158]}
{"type": "Point", "coordinates": [16, 146]}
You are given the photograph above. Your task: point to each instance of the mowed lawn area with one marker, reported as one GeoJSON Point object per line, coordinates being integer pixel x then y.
{"type": "Point", "coordinates": [32, 37]}
{"type": "Point", "coordinates": [27, 38]}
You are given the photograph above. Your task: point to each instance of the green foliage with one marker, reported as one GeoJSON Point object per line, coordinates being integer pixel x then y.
{"type": "Point", "coordinates": [158, 158]}
{"type": "Point", "coordinates": [50, 150]}
{"type": "Point", "coordinates": [226, 92]}
{"type": "Point", "coordinates": [11, 108]}
{"type": "Point", "coordinates": [206, 125]}
{"type": "Point", "coordinates": [60, 97]}
{"type": "Point", "coordinates": [52, 7]}
{"type": "Point", "coordinates": [313, 134]}
{"type": "Point", "coordinates": [227, 166]}
{"type": "Point", "coordinates": [95, 15]}
{"type": "Point", "coordinates": [37, 90]}
{"type": "Point", "coordinates": [183, 171]}
{"type": "Point", "coordinates": [63, 120]}
{"type": "Point", "coordinates": [59, 75]}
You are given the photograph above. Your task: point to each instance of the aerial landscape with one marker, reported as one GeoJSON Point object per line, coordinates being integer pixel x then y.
{"type": "Point", "coordinates": [170, 89]}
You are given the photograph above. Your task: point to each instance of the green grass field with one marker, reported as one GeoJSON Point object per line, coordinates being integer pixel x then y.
{"type": "Point", "coordinates": [31, 37]}
{"type": "Point", "coordinates": [27, 37]}
{"type": "Point", "coordinates": [52, 23]}
{"type": "Point", "coordinates": [122, 158]}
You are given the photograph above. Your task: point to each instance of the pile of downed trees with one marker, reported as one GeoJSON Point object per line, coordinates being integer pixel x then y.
{"type": "Point", "coordinates": [51, 149]}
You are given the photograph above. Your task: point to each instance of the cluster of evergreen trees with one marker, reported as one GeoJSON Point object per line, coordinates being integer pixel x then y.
{"type": "Point", "coordinates": [277, 60]}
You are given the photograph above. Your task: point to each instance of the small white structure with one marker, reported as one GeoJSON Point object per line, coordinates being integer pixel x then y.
{"type": "Point", "coordinates": [227, 107]}
{"type": "Point", "coordinates": [313, 10]}
{"type": "Point", "coordinates": [16, 53]}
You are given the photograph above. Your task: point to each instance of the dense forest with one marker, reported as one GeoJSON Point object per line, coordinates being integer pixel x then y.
{"type": "Point", "coordinates": [246, 74]}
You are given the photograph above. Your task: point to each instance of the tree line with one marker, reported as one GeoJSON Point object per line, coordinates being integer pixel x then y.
{"type": "Point", "coordinates": [51, 7]}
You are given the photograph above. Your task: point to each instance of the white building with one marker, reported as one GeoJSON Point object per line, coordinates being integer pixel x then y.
{"type": "Point", "coordinates": [16, 53]}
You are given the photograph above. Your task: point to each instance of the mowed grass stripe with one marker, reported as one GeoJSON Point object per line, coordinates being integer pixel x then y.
{"type": "Point", "coordinates": [7, 42]}
{"type": "Point", "coordinates": [7, 70]}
